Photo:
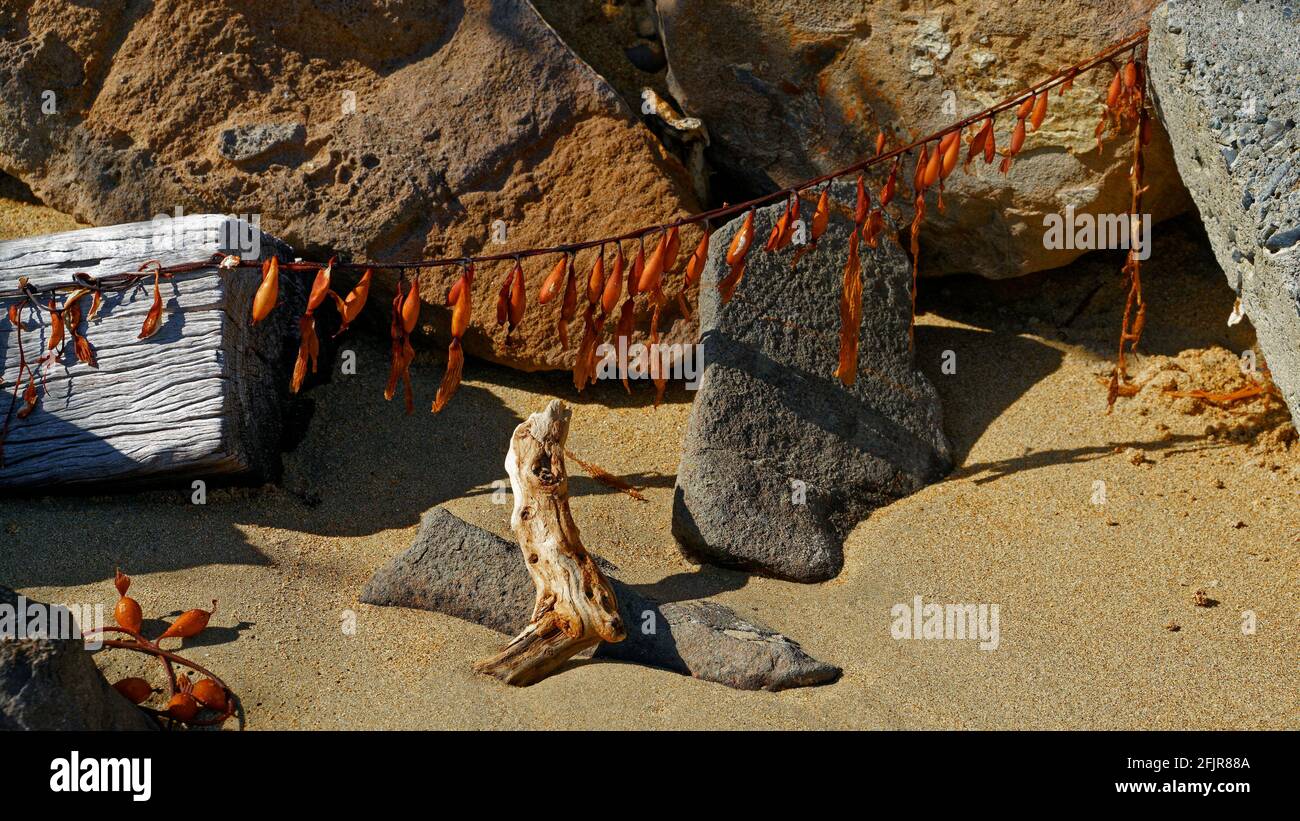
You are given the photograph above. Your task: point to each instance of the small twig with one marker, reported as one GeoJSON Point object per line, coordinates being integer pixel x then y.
{"type": "Point", "coordinates": [605, 477]}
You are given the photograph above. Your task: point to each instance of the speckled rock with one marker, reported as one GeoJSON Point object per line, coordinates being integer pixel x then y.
{"type": "Point", "coordinates": [464, 571]}
{"type": "Point", "coordinates": [780, 460]}
{"type": "Point", "coordinates": [1226, 87]}
{"type": "Point", "coordinates": [789, 89]}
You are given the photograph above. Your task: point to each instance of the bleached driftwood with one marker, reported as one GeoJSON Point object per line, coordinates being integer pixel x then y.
{"type": "Point", "coordinates": [575, 606]}
{"type": "Point", "coordinates": [202, 398]}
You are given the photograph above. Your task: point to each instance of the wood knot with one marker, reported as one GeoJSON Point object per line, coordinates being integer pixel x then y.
{"type": "Point", "coordinates": [543, 469]}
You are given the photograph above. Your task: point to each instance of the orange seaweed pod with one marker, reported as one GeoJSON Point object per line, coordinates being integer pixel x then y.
{"type": "Point", "coordinates": [822, 214]}
{"type": "Point", "coordinates": [736, 252]}
{"type": "Point", "coordinates": [1040, 112]}
{"type": "Point", "coordinates": [933, 167]}
{"type": "Point", "coordinates": [182, 707]}
{"type": "Point", "coordinates": [863, 204]}
{"type": "Point", "coordinates": [320, 287]}
{"type": "Point", "coordinates": [210, 694]}
{"type": "Point", "coordinates": [596, 280]}
{"type": "Point", "coordinates": [551, 285]}
{"type": "Point", "coordinates": [127, 614]}
{"type": "Point", "coordinates": [188, 624]}
{"type": "Point", "coordinates": [918, 174]}
{"type": "Point", "coordinates": [134, 689]}
{"type": "Point", "coordinates": [880, 143]}
{"type": "Point", "coordinates": [652, 273]}
{"type": "Point", "coordinates": [777, 228]}
{"type": "Point", "coordinates": [614, 284]}
{"type": "Point", "coordinates": [1017, 140]}
{"type": "Point", "coordinates": [80, 345]}
{"type": "Point", "coordinates": [742, 240]}
{"type": "Point", "coordinates": [268, 293]}
{"type": "Point", "coordinates": [518, 297]}
{"type": "Point", "coordinates": [1025, 107]}
{"type": "Point", "coordinates": [56, 327]}
{"type": "Point", "coordinates": [695, 265]}
{"type": "Point", "coordinates": [461, 306]}
{"type": "Point", "coordinates": [951, 153]}
{"type": "Point", "coordinates": [1112, 92]}
{"type": "Point", "coordinates": [783, 230]}
{"type": "Point", "coordinates": [153, 320]}
{"type": "Point", "coordinates": [792, 217]}
{"type": "Point", "coordinates": [350, 308]}
{"type": "Point", "coordinates": [411, 306]}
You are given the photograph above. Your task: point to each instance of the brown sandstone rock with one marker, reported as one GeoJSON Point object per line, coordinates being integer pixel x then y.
{"type": "Point", "coordinates": [383, 129]}
{"type": "Point", "coordinates": [792, 88]}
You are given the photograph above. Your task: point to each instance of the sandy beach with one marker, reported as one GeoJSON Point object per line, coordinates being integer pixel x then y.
{"type": "Point", "coordinates": [1098, 628]}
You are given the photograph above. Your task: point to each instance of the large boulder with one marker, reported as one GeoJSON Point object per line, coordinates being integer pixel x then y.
{"type": "Point", "coordinates": [1224, 75]}
{"type": "Point", "coordinates": [464, 571]}
{"type": "Point", "coordinates": [780, 460]}
{"type": "Point", "coordinates": [53, 684]}
{"type": "Point", "coordinates": [382, 129]}
{"type": "Point", "coordinates": [789, 89]}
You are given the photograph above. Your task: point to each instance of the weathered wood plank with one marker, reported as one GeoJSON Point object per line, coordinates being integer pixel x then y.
{"type": "Point", "coordinates": [201, 398]}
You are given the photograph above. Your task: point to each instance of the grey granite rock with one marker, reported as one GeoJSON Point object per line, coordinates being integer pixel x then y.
{"type": "Point", "coordinates": [781, 460]}
{"type": "Point", "coordinates": [456, 568]}
{"type": "Point", "coordinates": [1225, 82]}
{"type": "Point", "coordinates": [53, 684]}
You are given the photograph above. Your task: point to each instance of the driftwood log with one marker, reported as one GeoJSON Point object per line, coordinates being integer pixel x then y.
{"type": "Point", "coordinates": [202, 398]}
{"type": "Point", "coordinates": [575, 607]}
{"type": "Point", "coordinates": [462, 570]}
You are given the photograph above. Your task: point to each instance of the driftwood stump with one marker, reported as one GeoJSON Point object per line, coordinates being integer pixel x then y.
{"type": "Point", "coordinates": [575, 607]}
{"type": "Point", "coordinates": [203, 398]}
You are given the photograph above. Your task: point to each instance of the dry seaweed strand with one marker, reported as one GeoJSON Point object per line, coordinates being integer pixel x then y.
{"type": "Point", "coordinates": [605, 477]}
{"type": "Point", "coordinates": [1130, 106]}
{"type": "Point", "coordinates": [1123, 109]}
{"type": "Point", "coordinates": [219, 699]}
